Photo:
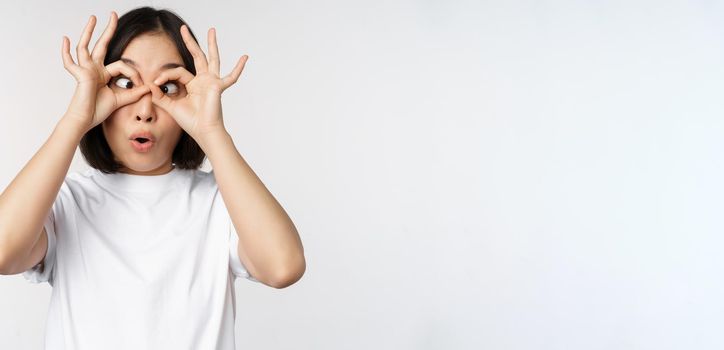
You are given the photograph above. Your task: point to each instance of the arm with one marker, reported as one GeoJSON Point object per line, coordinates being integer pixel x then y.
{"type": "Point", "coordinates": [269, 244]}
{"type": "Point", "coordinates": [26, 201]}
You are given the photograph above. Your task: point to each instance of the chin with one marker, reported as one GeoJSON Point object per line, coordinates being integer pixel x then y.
{"type": "Point", "coordinates": [142, 168]}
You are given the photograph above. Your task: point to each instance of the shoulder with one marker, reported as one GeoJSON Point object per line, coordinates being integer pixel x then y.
{"type": "Point", "coordinates": [199, 181]}
{"type": "Point", "coordinates": [202, 177]}
{"type": "Point", "coordinates": [76, 180]}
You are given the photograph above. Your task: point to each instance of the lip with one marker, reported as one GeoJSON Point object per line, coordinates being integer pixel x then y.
{"type": "Point", "coordinates": [142, 147]}
{"type": "Point", "coordinates": [144, 134]}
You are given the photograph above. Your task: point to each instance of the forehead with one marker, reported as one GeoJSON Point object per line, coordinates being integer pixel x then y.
{"type": "Point", "coordinates": [152, 51]}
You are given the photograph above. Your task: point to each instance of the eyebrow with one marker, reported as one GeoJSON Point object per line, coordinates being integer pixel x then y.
{"type": "Point", "coordinates": [165, 66]}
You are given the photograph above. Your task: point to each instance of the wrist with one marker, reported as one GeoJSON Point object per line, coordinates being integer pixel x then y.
{"type": "Point", "coordinates": [211, 137]}
{"type": "Point", "coordinates": [71, 126]}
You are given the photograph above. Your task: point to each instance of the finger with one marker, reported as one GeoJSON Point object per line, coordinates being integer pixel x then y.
{"type": "Point", "coordinates": [214, 62]}
{"type": "Point", "coordinates": [125, 97]}
{"type": "Point", "coordinates": [82, 49]}
{"type": "Point", "coordinates": [235, 73]}
{"type": "Point", "coordinates": [199, 57]}
{"type": "Point", "coordinates": [179, 73]}
{"type": "Point", "coordinates": [120, 67]}
{"type": "Point", "coordinates": [99, 50]}
{"type": "Point", "coordinates": [68, 62]}
{"type": "Point", "coordinates": [160, 99]}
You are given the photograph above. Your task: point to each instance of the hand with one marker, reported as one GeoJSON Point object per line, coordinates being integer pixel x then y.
{"type": "Point", "coordinates": [93, 101]}
{"type": "Point", "coordinates": [199, 112]}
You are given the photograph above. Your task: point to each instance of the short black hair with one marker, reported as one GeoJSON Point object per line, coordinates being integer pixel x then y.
{"type": "Point", "coordinates": [93, 145]}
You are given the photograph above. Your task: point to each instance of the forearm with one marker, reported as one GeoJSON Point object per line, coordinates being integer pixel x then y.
{"type": "Point", "coordinates": [26, 201]}
{"type": "Point", "coordinates": [266, 233]}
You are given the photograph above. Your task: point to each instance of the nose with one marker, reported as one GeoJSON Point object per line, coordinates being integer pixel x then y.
{"type": "Point", "coordinates": [144, 109]}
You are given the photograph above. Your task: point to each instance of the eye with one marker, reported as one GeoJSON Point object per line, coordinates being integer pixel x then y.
{"type": "Point", "coordinates": [170, 88]}
{"type": "Point", "coordinates": [124, 83]}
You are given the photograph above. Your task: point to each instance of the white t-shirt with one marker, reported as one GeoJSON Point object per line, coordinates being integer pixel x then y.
{"type": "Point", "coordinates": [140, 262]}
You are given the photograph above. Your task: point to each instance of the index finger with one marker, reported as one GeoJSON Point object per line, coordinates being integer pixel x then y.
{"type": "Point", "coordinates": [120, 67]}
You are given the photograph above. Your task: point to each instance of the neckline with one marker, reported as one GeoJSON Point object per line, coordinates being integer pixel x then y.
{"type": "Point", "coordinates": [139, 183]}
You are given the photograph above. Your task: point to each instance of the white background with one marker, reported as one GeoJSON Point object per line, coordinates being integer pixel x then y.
{"type": "Point", "coordinates": [463, 174]}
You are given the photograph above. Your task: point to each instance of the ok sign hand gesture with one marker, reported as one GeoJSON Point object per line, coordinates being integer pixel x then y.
{"type": "Point", "coordinates": [199, 112]}
{"type": "Point", "coordinates": [93, 100]}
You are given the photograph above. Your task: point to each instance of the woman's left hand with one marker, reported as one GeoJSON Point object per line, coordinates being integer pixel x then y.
{"type": "Point", "coordinates": [199, 112]}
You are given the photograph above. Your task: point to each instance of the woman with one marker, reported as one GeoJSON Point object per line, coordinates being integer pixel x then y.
{"type": "Point", "coordinates": [143, 249]}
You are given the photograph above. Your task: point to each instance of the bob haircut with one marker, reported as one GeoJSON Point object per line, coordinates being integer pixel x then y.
{"type": "Point", "coordinates": [93, 145]}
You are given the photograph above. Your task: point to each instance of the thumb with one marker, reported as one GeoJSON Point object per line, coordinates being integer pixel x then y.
{"type": "Point", "coordinates": [129, 96]}
{"type": "Point", "coordinates": [160, 99]}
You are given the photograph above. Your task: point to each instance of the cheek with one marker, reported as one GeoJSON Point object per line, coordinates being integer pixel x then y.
{"type": "Point", "coordinates": [165, 120]}
{"type": "Point", "coordinates": [111, 120]}
{"type": "Point", "coordinates": [111, 124]}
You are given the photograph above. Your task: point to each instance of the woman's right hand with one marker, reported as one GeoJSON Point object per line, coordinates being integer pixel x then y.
{"type": "Point", "coordinates": [93, 100]}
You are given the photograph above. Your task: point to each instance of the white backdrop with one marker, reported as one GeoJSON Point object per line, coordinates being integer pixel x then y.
{"type": "Point", "coordinates": [463, 174]}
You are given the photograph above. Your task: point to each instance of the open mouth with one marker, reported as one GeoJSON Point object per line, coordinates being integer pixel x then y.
{"type": "Point", "coordinates": [142, 144]}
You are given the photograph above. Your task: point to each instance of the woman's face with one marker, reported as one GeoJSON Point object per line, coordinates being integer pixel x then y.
{"type": "Point", "coordinates": [149, 55]}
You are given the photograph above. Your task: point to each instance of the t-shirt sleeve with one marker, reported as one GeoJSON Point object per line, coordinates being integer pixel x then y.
{"type": "Point", "coordinates": [44, 271]}
{"type": "Point", "coordinates": [235, 264]}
